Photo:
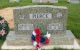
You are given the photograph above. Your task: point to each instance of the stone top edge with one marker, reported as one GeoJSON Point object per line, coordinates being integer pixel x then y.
{"type": "Point", "coordinates": [32, 6]}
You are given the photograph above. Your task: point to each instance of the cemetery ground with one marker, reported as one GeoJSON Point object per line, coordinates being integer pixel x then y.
{"type": "Point", "coordinates": [73, 23]}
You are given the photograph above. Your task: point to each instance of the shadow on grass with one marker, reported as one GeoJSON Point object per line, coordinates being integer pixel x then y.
{"type": "Point", "coordinates": [1, 42]}
{"type": "Point", "coordinates": [2, 39]}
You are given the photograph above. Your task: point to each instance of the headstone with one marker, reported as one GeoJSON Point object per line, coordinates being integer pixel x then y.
{"type": "Point", "coordinates": [54, 18]}
{"type": "Point", "coordinates": [25, 18]}
{"type": "Point", "coordinates": [12, 1]}
{"type": "Point", "coordinates": [45, 1]}
{"type": "Point", "coordinates": [53, 1]}
{"type": "Point", "coordinates": [74, 1]}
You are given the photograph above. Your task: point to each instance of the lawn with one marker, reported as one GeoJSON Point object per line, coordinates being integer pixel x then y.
{"type": "Point", "coordinates": [73, 23]}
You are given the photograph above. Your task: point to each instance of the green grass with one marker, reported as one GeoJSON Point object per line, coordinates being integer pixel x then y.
{"type": "Point", "coordinates": [74, 20]}
{"type": "Point", "coordinates": [73, 23]}
{"type": "Point", "coordinates": [5, 3]}
{"type": "Point", "coordinates": [61, 49]}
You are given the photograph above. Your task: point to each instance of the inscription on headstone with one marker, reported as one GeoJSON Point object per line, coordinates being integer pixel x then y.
{"type": "Point", "coordinates": [25, 26]}
{"type": "Point", "coordinates": [55, 26]}
{"type": "Point", "coordinates": [40, 16]}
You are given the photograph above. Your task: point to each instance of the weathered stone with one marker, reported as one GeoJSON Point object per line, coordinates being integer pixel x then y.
{"type": "Point", "coordinates": [25, 19]}
{"type": "Point", "coordinates": [68, 41]}
{"type": "Point", "coordinates": [23, 40]}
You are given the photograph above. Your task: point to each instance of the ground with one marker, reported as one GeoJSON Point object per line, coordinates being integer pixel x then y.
{"type": "Point", "coordinates": [73, 23]}
{"type": "Point", "coordinates": [7, 13]}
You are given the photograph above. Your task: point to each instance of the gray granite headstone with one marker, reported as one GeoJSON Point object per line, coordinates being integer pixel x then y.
{"type": "Point", "coordinates": [53, 18]}
{"type": "Point", "coordinates": [45, 1]}
{"type": "Point", "coordinates": [74, 1]}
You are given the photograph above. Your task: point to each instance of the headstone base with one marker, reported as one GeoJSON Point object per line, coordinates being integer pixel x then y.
{"type": "Point", "coordinates": [69, 37]}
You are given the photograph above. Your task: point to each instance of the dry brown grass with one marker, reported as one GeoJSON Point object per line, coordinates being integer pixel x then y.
{"type": "Point", "coordinates": [7, 13]}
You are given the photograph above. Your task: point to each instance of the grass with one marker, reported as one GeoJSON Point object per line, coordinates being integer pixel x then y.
{"type": "Point", "coordinates": [73, 23]}
{"type": "Point", "coordinates": [6, 3]}
{"type": "Point", "coordinates": [61, 49]}
{"type": "Point", "coordinates": [74, 20]}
